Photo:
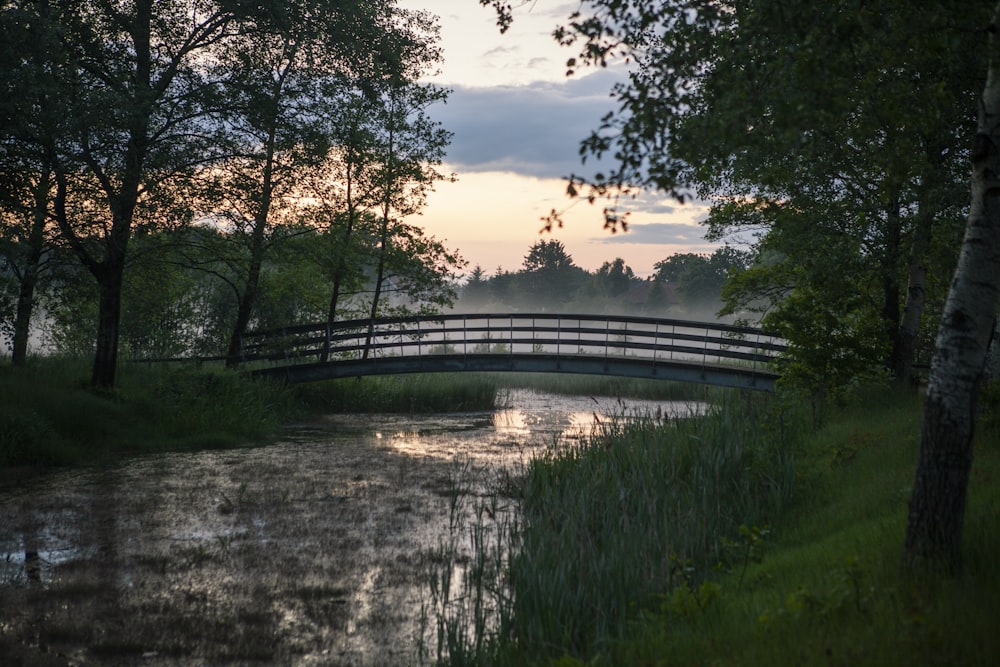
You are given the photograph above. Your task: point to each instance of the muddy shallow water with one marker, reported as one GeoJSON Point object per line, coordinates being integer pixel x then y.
{"type": "Point", "coordinates": [311, 551]}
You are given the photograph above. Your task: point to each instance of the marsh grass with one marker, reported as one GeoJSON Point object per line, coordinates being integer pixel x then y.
{"type": "Point", "coordinates": [606, 385]}
{"type": "Point", "coordinates": [642, 508]}
{"type": "Point", "coordinates": [420, 393]}
{"type": "Point", "coordinates": [605, 528]}
{"type": "Point", "coordinates": [48, 416]}
{"type": "Point", "coordinates": [828, 586]}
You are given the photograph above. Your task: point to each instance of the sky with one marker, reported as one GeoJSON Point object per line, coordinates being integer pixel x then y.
{"type": "Point", "coordinates": [518, 122]}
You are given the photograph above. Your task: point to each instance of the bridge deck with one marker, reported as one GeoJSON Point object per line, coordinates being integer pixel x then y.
{"type": "Point", "coordinates": [708, 353]}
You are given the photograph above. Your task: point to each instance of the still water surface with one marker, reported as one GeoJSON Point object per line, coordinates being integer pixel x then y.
{"type": "Point", "coordinates": [311, 551]}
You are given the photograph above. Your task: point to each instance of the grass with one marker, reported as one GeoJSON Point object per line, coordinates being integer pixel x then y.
{"type": "Point", "coordinates": [639, 510]}
{"type": "Point", "coordinates": [420, 393]}
{"type": "Point", "coordinates": [49, 418]}
{"type": "Point", "coordinates": [752, 537]}
{"type": "Point", "coordinates": [829, 588]}
{"type": "Point", "coordinates": [606, 385]}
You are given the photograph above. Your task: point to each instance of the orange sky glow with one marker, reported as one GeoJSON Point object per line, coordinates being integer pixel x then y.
{"type": "Point", "coordinates": [518, 121]}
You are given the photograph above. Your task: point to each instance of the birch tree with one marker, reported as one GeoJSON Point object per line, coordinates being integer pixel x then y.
{"type": "Point", "coordinates": [937, 504]}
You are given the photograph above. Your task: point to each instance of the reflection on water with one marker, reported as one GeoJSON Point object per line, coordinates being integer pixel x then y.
{"type": "Point", "coordinates": [310, 551]}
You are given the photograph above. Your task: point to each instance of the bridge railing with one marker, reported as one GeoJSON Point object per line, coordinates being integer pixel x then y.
{"type": "Point", "coordinates": [655, 339]}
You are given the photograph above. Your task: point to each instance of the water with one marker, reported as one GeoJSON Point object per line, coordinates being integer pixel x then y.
{"type": "Point", "coordinates": [314, 550]}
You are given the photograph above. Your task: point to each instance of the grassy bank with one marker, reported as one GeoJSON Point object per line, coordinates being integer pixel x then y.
{"type": "Point", "coordinates": [828, 589]}
{"type": "Point", "coordinates": [48, 416]}
{"type": "Point", "coordinates": [421, 393]}
{"type": "Point", "coordinates": [752, 537]}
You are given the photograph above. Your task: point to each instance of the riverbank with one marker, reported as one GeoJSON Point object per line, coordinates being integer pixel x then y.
{"type": "Point", "coordinates": [803, 569]}
{"type": "Point", "coordinates": [818, 584]}
{"type": "Point", "coordinates": [49, 418]}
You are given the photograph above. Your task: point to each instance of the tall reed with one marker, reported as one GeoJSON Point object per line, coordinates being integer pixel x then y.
{"type": "Point", "coordinates": [430, 392]}
{"type": "Point", "coordinates": [605, 528]}
{"type": "Point", "coordinates": [641, 507]}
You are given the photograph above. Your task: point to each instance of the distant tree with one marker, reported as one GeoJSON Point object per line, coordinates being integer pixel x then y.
{"type": "Point", "coordinates": [548, 277]}
{"type": "Point", "coordinates": [700, 278]}
{"type": "Point", "coordinates": [475, 293]}
{"type": "Point", "coordinates": [614, 278]}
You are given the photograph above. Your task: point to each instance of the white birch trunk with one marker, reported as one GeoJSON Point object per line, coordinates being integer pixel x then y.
{"type": "Point", "coordinates": [937, 506]}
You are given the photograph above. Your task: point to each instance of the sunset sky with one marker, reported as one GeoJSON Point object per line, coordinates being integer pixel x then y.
{"type": "Point", "coordinates": [518, 121]}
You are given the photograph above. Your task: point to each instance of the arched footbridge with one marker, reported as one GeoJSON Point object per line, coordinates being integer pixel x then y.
{"type": "Point", "coordinates": [640, 347]}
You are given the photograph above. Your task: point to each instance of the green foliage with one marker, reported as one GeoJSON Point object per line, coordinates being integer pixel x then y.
{"type": "Point", "coordinates": [403, 394]}
{"type": "Point", "coordinates": [827, 159]}
{"type": "Point", "coordinates": [828, 585]}
{"type": "Point", "coordinates": [699, 279]}
{"type": "Point", "coordinates": [48, 419]}
{"type": "Point", "coordinates": [636, 512]}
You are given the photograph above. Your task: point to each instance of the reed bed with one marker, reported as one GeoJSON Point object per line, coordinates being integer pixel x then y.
{"type": "Point", "coordinates": [606, 385]}
{"type": "Point", "coordinates": [419, 393]}
{"type": "Point", "coordinates": [645, 508]}
{"type": "Point", "coordinates": [48, 416]}
{"type": "Point", "coordinates": [641, 508]}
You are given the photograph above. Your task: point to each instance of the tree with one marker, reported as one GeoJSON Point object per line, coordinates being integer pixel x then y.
{"type": "Point", "coordinates": [614, 278]}
{"type": "Point", "coordinates": [32, 111]}
{"type": "Point", "coordinates": [937, 504]}
{"type": "Point", "coordinates": [722, 103]}
{"type": "Point", "coordinates": [134, 98]}
{"type": "Point", "coordinates": [475, 292]}
{"type": "Point", "coordinates": [548, 276]}
{"type": "Point", "coordinates": [275, 92]}
{"type": "Point", "coordinates": [698, 279]}
{"type": "Point", "coordinates": [848, 118]}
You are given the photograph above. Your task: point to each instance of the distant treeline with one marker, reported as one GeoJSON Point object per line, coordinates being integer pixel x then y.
{"type": "Point", "coordinates": [684, 284]}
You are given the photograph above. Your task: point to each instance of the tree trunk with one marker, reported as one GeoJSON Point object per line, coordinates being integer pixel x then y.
{"type": "Point", "coordinates": [379, 279]}
{"type": "Point", "coordinates": [890, 282]}
{"type": "Point", "coordinates": [916, 296]}
{"type": "Point", "coordinates": [109, 283]}
{"type": "Point", "coordinates": [252, 285]}
{"type": "Point", "coordinates": [29, 279]}
{"type": "Point", "coordinates": [937, 506]}
{"type": "Point", "coordinates": [341, 270]}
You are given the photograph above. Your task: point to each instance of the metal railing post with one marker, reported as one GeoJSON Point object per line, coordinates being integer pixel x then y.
{"type": "Point", "coordinates": [510, 333]}
{"type": "Point", "coordinates": [656, 340]}
{"type": "Point", "coordinates": [607, 335]}
{"type": "Point", "coordinates": [704, 350]}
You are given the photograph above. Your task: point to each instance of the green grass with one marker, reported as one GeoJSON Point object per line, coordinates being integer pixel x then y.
{"type": "Point", "coordinates": [420, 393]}
{"type": "Point", "coordinates": [606, 385]}
{"type": "Point", "coordinates": [828, 588]}
{"type": "Point", "coordinates": [48, 417]}
{"type": "Point", "coordinates": [752, 537]}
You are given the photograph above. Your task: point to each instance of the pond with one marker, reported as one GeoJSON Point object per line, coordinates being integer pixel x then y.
{"type": "Point", "coordinates": [312, 551]}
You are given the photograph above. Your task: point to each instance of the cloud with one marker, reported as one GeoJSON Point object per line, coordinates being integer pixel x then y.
{"type": "Point", "coordinates": [532, 130]}
{"type": "Point", "coordinates": [658, 233]}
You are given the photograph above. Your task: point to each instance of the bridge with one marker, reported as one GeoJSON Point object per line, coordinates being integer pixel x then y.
{"type": "Point", "coordinates": [640, 347]}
